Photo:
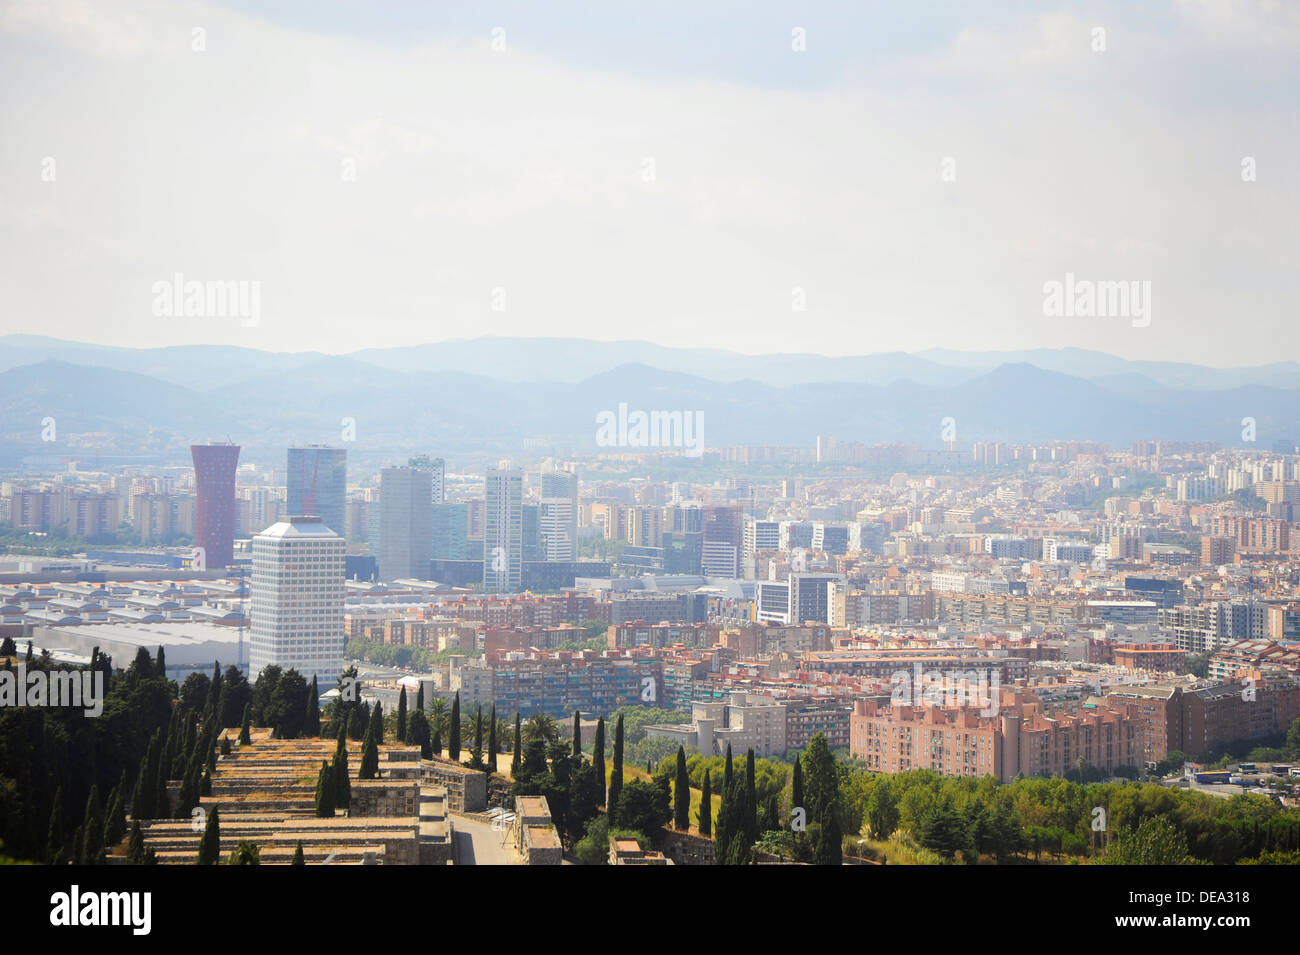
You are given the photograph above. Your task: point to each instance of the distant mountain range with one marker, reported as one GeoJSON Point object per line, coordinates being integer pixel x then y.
{"type": "Point", "coordinates": [493, 394]}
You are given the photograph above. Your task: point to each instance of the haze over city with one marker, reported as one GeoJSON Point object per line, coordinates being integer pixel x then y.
{"type": "Point", "coordinates": [567, 434]}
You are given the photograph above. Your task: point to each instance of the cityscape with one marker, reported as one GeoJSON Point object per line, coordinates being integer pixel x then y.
{"type": "Point", "coordinates": [536, 437]}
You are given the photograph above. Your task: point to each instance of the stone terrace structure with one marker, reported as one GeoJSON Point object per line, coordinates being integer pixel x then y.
{"type": "Point", "coordinates": [265, 793]}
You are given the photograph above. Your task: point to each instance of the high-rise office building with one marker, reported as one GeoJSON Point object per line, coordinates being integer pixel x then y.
{"type": "Point", "coordinates": [683, 552]}
{"type": "Point", "coordinates": [296, 617]}
{"type": "Point", "coordinates": [557, 522]}
{"type": "Point", "coordinates": [437, 469]}
{"type": "Point", "coordinates": [503, 531]}
{"type": "Point", "coordinates": [405, 523]}
{"type": "Point", "coordinates": [214, 514]}
{"type": "Point", "coordinates": [558, 485]}
{"type": "Point", "coordinates": [451, 531]}
{"type": "Point", "coordinates": [318, 484]}
{"type": "Point", "coordinates": [532, 532]}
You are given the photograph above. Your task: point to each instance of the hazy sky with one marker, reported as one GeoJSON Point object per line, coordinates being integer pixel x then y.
{"type": "Point", "coordinates": [633, 170]}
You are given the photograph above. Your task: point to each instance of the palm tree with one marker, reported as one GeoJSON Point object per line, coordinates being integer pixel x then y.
{"type": "Point", "coordinates": [542, 727]}
{"type": "Point", "coordinates": [437, 715]}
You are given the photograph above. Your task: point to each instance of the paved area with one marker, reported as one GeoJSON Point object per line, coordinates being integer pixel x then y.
{"type": "Point", "coordinates": [475, 843]}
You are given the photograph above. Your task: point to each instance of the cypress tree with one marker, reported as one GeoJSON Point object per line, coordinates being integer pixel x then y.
{"type": "Point", "coordinates": [706, 805]}
{"type": "Point", "coordinates": [476, 754]}
{"type": "Point", "coordinates": [727, 775]}
{"type": "Point", "coordinates": [681, 793]}
{"type": "Point", "coordinates": [453, 731]}
{"type": "Point", "coordinates": [162, 663]}
{"type": "Point", "coordinates": [401, 717]}
{"type": "Point", "coordinates": [173, 739]}
{"type": "Point", "coordinates": [418, 732]}
{"type": "Point", "coordinates": [492, 740]}
{"type": "Point", "coordinates": [325, 790]}
{"type": "Point", "coordinates": [245, 739]}
{"type": "Point", "coordinates": [297, 855]}
{"type": "Point", "coordinates": [616, 773]}
{"type": "Point", "coordinates": [830, 848]}
{"type": "Point", "coordinates": [369, 760]}
{"type": "Point", "coordinates": [342, 779]}
{"type": "Point", "coordinates": [115, 818]}
{"type": "Point", "coordinates": [144, 802]}
{"type": "Point", "coordinates": [139, 796]}
{"type": "Point", "coordinates": [135, 852]}
{"type": "Point", "coordinates": [435, 745]}
{"type": "Point", "coordinates": [210, 844]}
{"type": "Point", "coordinates": [55, 837]}
{"type": "Point", "coordinates": [514, 763]}
{"type": "Point", "coordinates": [750, 824]}
{"type": "Point", "coordinates": [377, 721]}
{"type": "Point", "coordinates": [311, 724]}
{"type": "Point", "coordinates": [93, 847]}
{"type": "Point", "coordinates": [598, 756]}
{"type": "Point", "coordinates": [29, 652]}
{"type": "Point", "coordinates": [419, 697]}
{"type": "Point", "coordinates": [162, 798]}
{"type": "Point", "coordinates": [214, 691]}
{"type": "Point", "coordinates": [577, 733]}
{"type": "Point", "coordinates": [358, 722]}
{"type": "Point", "coordinates": [796, 786]}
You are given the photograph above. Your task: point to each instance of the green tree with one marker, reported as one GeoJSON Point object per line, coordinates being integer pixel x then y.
{"type": "Point", "coordinates": [577, 733]}
{"type": "Point", "coordinates": [325, 792]}
{"type": "Point", "coordinates": [115, 815]}
{"type": "Point", "coordinates": [93, 827]}
{"type": "Point", "coordinates": [246, 853]}
{"type": "Point", "coordinates": [541, 726]}
{"type": "Point", "coordinates": [514, 763]}
{"type": "Point", "coordinates": [136, 852]}
{"type": "Point", "coordinates": [476, 754]}
{"type": "Point", "coordinates": [598, 756]}
{"type": "Point", "coordinates": [706, 806]}
{"type": "Point", "coordinates": [829, 846]}
{"type": "Point", "coordinates": [796, 785]}
{"type": "Point", "coordinates": [616, 772]}
{"type": "Point", "coordinates": [311, 725]}
{"type": "Point", "coordinates": [492, 741]}
{"type": "Point", "coordinates": [1155, 842]}
{"type": "Point", "coordinates": [55, 838]}
{"type": "Point", "coordinates": [642, 806]}
{"type": "Point", "coordinates": [401, 717]}
{"type": "Point", "coordinates": [882, 810]}
{"type": "Point", "coordinates": [210, 844]}
{"type": "Point", "coordinates": [369, 759]}
{"type": "Point", "coordinates": [681, 793]}
{"type": "Point", "coordinates": [342, 777]}
{"type": "Point", "coordinates": [245, 724]}
{"type": "Point", "coordinates": [287, 711]}
{"type": "Point", "coordinates": [297, 855]}
{"type": "Point", "coordinates": [417, 731]}
{"type": "Point", "coordinates": [453, 731]}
